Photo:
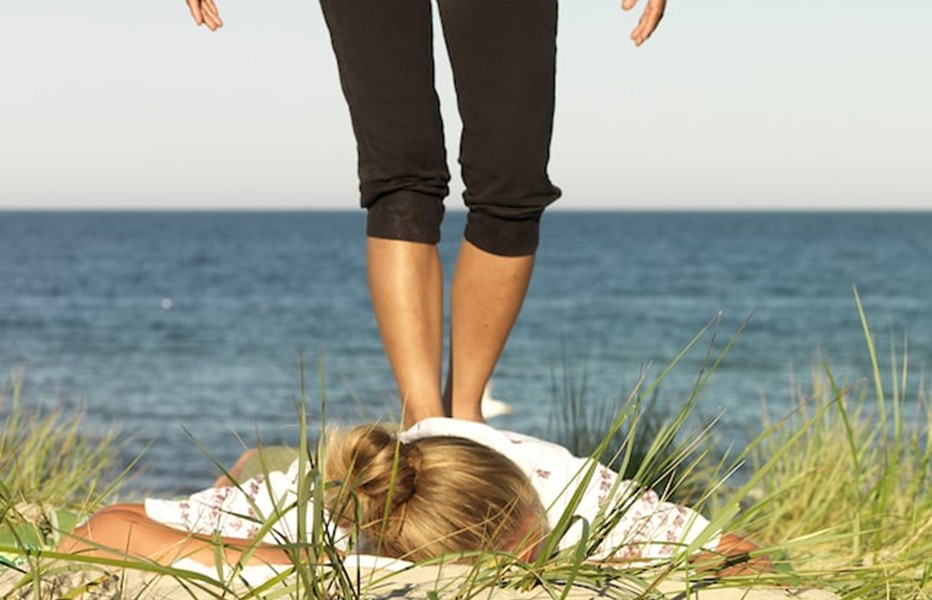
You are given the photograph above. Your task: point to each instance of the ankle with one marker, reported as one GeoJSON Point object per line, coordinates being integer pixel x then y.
{"type": "Point", "coordinates": [413, 414]}
{"type": "Point", "coordinates": [473, 413]}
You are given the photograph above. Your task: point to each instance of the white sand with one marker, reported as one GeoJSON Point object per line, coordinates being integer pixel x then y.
{"type": "Point", "coordinates": [415, 583]}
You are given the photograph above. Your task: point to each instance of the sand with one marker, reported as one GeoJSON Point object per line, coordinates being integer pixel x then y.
{"type": "Point", "coordinates": [376, 584]}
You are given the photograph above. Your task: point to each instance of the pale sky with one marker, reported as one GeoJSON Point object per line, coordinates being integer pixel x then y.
{"type": "Point", "coordinates": [732, 104]}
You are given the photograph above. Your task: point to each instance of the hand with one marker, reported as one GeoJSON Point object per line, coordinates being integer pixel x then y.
{"type": "Point", "coordinates": [733, 557]}
{"type": "Point", "coordinates": [649, 19]}
{"type": "Point", "coordinates": [205, 13]}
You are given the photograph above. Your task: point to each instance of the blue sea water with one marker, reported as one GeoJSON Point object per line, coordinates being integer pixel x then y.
{"type": "Point", "coordinates": [181, 325]}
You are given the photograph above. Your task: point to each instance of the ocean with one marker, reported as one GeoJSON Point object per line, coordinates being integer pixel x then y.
{"type": "Point", "coordinates": [188, 328]}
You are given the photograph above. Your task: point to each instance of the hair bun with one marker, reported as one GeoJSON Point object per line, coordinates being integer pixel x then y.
{"type": "Point", "coordinates": [372, 464]}
{"type": "Point", "coordinates": [409, 465]}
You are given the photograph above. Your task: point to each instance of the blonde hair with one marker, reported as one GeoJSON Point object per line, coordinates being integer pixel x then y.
{"type": "Point", "coordinates": [420, 499]}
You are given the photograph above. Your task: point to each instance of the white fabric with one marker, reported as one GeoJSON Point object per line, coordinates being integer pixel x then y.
{"type": "Point", "coordinates": [240, 512]}
{"type": "Point", "coordinates": [649, 528]}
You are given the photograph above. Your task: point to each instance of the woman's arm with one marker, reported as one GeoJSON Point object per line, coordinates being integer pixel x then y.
{"type": "Point", "coordinates": [124, 531]}
{"type": "Point", "coordinates": [205, 12]}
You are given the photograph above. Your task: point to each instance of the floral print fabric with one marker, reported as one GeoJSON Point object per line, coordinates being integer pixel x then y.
{"type": "Point", "coordinates": [236, 512]}
{"type": "Point", "coordinates": [634, 523]}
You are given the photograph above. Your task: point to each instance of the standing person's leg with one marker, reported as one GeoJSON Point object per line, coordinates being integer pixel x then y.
{"type": "Point", "coordinates": [406, 285]}
{"type": "Point", "coordinates": [384, 50]}
{"type": "Point", "coordinates": [486, 297]}
{"type": "Point", "coordinates": [503, 54]}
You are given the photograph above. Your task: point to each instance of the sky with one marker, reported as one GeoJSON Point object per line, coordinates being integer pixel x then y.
{"type": "Point", "coordinates": [733, 104]}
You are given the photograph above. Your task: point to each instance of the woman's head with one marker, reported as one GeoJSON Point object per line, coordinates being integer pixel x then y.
{"type": "Point", "coordinates": [420, 499]}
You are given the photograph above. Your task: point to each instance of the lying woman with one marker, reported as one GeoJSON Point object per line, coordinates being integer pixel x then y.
{"type": "Point", "coordinates": [442, 486]}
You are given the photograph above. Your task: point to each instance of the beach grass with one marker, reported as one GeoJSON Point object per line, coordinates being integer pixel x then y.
{"type": "Point", "coordinates": [47, 458]}
{"type": "Point", "coordinates": [838, 496]}
{"type": "Point", "coordinates": [848, 485]}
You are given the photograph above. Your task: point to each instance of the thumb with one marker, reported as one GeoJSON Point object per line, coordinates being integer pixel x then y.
{"type": "Point", "coordinates": [628, 4]}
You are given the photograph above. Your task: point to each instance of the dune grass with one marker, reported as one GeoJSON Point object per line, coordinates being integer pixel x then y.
{"type": "Point", "coordinates": [848, 489]}
{"type": "Point", "coordinates": [838, 496]}
{"type": "Point", "coordinates": [48, 459]}
{"type": "Point", "coordinates": [51, 470]}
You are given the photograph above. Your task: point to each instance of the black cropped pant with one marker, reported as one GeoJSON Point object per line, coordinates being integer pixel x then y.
{"type": "Point", "coordinates": [503, 56]}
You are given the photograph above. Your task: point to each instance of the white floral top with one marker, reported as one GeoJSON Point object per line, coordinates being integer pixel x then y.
{"type": "Point", "coordinates": [236, 512]}
{"type": "Point", "coordinates": [649, 528]}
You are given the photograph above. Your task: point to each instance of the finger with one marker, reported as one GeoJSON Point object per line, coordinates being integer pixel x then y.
{"type": "Point", "coordinates": [648, 21]}
{"type": "Point", "coordinates": [195, 7]}
{"type": "Point", "coordinates": [213, 22]}
{"type": "Point", "coordinates": [628, 4]}
{"type": "Point", "coordinates": [209, 7]}
{"type": "Point", "coordinates": [211, 13]}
